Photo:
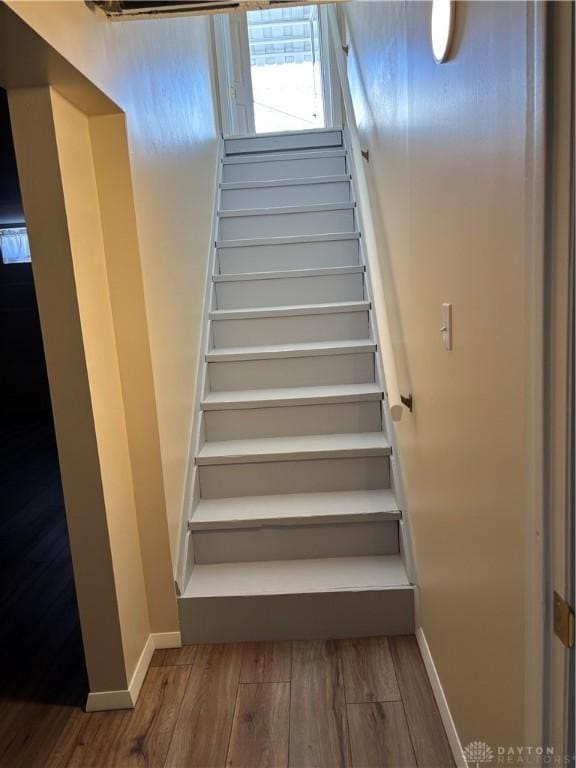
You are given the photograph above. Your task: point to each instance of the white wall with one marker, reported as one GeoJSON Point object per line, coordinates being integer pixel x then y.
{"type": "Point", "coordinates": [448, 175]}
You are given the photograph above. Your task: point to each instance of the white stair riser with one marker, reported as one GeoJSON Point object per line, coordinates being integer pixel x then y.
{"type": "Point", "coordinates": [261, 258]}
{"type": "Point", "coordinates": [287, 224]}
{"type": "Point", "coordinates": [338, 326]}
{"type": "Point", "coordinates": [284, 142]}
{"type": "Point", "coordinates": [288, 291]}
{"type": "Point", "coordinates": [243, 545]}
{"type": "Point", "coordinates": [294, 194]}
{"type": "Point", "coordinates": [291, 372]}
{"type": "Point", "coordinates": [306, 616]}
{"type": "Point", "coordinates": [284, 169]}
{"type": "Point", "coordinates": [329, 419]}
{"type": "Point", "coordinates": [221, 481]}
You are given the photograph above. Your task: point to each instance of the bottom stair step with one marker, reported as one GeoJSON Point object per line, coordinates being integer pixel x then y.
{"type": "Point", "coordinates": [280, 577]}
{"type": "Point", "coordinates": [292, 599]}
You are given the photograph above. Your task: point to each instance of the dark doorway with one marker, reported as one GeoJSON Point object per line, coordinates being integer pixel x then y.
{"type": "Point", "coordinates": [42, 676]}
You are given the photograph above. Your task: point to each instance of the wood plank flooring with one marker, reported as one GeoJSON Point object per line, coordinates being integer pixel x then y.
{"type": "Point", "coordinates": [260, 730]}
{"type": "Point", "coordinates": [304, 704]}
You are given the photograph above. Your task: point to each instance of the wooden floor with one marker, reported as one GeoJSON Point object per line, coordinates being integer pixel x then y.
{"type": "Point", "coordinates": [42, 676]}
{"type": "Point", "coordinates": [302, 704]}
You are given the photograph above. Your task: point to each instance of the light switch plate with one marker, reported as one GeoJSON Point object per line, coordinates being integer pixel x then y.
{"type": "Point", "coordinates": [446, 329]}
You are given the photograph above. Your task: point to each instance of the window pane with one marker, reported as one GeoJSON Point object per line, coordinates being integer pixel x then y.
{"type": "Point", "coordinates": [287, 88]}
{"type": "Point", "coordinates": [14, 245]}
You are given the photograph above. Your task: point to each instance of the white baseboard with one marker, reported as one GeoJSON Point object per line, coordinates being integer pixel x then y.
{"type": "Point", "coordinates": [99, 701]}
{"type": "Point", "coordinates": [441, 701]}
{"type": "Point", "coordinates": [166, 640]}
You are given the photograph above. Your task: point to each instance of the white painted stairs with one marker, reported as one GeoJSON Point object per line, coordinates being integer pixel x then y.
{"type": "Point", "coordinates": [295, 528]}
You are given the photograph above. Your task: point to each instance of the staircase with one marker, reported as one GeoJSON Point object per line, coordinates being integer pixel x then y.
{"type": "Point", "coordinates": [295, 530]}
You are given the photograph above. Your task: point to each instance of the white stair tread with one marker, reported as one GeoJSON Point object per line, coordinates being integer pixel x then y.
{"type": "Point", "coordinates": [299, 154]}
{"type": "Point", "coordinates": [272, 134]}
{"type": "Point", "coordinates": [300, 508]}
{"type": "Point", "coordinates": [245, 242]}
{"type": "Point", "coordinates": [293, 448]}
{"type": "Point", "coordinates": [262, 398]}
{"type": "Point", "coordinates": [296, 182]}
{"type": "Point", "coordinates": [329, 308]}
{"type": "Point", "coordinates": [285, 273]}
{"type": "Point", "coordinates": [280, 210]}
{"type": "Point", "coordinates": [284, 577]}
{"type": "Point", "coordinates": [302, 349]}
{"type": "Point", "coordinates": [264, 137]}
{"type": "Point", "coordinates": [282, 142]}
